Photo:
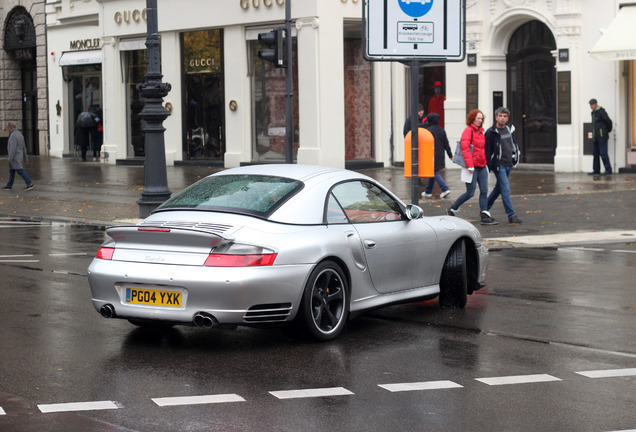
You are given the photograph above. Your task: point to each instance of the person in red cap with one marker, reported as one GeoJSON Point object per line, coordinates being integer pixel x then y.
{"type": "Point", "coordinates": [436, 104]}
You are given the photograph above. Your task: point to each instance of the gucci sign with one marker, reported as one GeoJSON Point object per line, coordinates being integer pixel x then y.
{"type": "Point", "coordinates": [135, 15]}
{"type": "Point", "coordinates": [255, 4]}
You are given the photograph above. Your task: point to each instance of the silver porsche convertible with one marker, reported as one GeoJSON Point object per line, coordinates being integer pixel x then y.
{"type": "Point", "coordinates": [303, 246]}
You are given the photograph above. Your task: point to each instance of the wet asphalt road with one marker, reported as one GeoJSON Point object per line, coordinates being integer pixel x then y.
{"type": "Point", "coordinates": [552, 317]}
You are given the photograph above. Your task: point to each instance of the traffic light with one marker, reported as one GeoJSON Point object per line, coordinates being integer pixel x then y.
{"type": "Point", "coordinates": [274, 40]}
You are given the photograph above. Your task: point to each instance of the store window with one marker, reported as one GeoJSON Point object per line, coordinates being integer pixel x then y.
{"type": "Point", "coordinates": [204, 136]}
{"type": "Point", "coordinates": [357, 101]}
{"type": "Point", "coordinates": [269, 138]}
{"type": "Point", "coordinates": [431, 90]}
{"type": "Point", "coordinates": [136, 66]}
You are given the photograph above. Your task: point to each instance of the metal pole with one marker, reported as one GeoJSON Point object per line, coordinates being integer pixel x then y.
{"type": "Point", "coordinates": [289, 93]}
{"type": "Point", "coordinates": [415, 165]}
{"type": "Point", "coordinates": [153, 90]}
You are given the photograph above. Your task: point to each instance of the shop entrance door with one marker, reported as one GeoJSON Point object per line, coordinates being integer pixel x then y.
{"type": "Point", "coordinates": [30, 110]}
{"type": "Point", "coordinates": [204, 138]}
{"type": "Point", "coordinates": [532, 91]}
{"type": "Point", "coordinates": [86, 92]}
{"type": "Point", "coordinates": [204, 97]}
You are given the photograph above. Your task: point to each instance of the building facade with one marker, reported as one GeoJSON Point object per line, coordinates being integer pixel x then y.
{"type": "Point", "coordinates": [23, 80]}
{"type": "Point", "coordinates": [227, 106]}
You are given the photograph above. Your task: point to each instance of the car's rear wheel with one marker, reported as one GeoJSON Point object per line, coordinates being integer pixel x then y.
{"type": "Point", "coordinates": [454, 281]}
{"type": "Point", "coordinates": [325, 303]}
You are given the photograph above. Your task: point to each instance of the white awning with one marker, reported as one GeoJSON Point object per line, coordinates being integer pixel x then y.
{"type": "Point", "coordinates": [619, 40]}
{"type": "Point", "coordinates": [81, 58]}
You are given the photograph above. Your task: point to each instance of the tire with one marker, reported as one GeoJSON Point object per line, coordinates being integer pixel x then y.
{"type": "Point", "coordinates": [454, 281]}
{"type": "Point", "coordinates": [325, 303]}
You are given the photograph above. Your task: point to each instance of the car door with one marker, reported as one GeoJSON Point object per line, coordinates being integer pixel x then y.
{"type": "Point", "coordinates": [400, 253]}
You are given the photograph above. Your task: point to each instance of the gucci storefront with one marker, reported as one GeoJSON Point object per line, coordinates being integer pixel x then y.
{"type": "Point", "coordinates": [227, 106]}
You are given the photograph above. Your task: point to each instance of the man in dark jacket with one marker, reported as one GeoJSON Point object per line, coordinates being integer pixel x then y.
{"type": "Point", "coordinates": [601, 126]}
{"type": "Point", "coordinates": [502, 154]}
{"type": "Point", "coordinates": [441, 147]}
{"type": "Point", "coordinates": [420, 118]}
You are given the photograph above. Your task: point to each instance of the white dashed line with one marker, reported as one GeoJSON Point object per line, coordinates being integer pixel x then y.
{"type": "Point", "coordinates": [608, 373]}
{"type": "Point", "coordinates": [623, 251]}
{"type": "Point", "coordinates": [2, 411]}
{"type": "Point", "coordinates": [416, 386]}
{"type": "Point", "coordinates": [77, 406]}
{"type": "Point", "coordinates": [68, 254]}
{"type": "Point", "coordinates": [518, 379]}
{"type": "Point", "coordinates": [16, 256]}
{"type": "Point", "coordinates": [197, 400]}
{"type": "Point", "coordinates": [18, 261]}
{"type": "Point", "coordinates": [581, 248]}
{"type": "Point", "coordinates": [308, 393]}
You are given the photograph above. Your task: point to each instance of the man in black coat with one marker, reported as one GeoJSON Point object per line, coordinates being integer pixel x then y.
{"type": "Point", "coordinates": [602, 126]}
{"type": "Point", "coordinates": [441, 147]}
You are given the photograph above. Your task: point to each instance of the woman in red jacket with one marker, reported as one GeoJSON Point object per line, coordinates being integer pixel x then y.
{"type": "Point", "coordinates": [473, 150]}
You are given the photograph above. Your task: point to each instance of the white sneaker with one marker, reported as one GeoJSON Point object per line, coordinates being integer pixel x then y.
{"type": "Point", "coordinates": [427, 195]}
{"type": "Point", "coordinates": [444, 194]}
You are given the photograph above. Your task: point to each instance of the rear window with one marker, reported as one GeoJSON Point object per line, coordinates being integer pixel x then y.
{"type": "Point", "coordinates": [253, 194]}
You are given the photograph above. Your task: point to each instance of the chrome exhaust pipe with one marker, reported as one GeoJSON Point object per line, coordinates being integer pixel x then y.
{"type": "Point", "coordinates": [205, 320]}
{"type": "Point", "coordinates": [107, 311]}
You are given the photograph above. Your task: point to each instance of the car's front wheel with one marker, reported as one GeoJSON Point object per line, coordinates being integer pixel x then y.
{"type": "Point", "coordinates": [324, 308]}
{"type": "Point", "coordinates": [454, 281]}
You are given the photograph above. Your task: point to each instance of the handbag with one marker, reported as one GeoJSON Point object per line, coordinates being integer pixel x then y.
{"type": "Point", "coordinates": [458, 157]}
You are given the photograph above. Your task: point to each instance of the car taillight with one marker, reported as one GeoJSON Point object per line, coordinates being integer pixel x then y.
{"type": "Point", "coordinates": [105, 253]}
{"type": "Point", "coordinates": [228, 260]}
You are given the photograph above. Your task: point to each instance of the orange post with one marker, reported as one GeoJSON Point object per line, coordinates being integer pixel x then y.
{"type": "Point", "coordinates": [426, 154]}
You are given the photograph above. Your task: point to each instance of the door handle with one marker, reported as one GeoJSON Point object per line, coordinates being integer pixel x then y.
{"type": "Point", "coordinates": [369, 244]}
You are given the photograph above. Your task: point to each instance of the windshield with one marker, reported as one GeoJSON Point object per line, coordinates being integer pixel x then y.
{"type": "Point", "coordinates": [253, 194]}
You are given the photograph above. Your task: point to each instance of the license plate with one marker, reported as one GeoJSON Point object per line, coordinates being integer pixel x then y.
{"type": "Point", "coordinates": [153, 297]}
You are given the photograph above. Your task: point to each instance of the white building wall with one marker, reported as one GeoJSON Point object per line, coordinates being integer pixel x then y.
{"type": "Point", "coordinates": [319, 29]}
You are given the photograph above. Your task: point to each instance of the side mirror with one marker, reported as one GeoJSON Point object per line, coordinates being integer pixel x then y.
{"type": "Point", "coordinates": [414, 212]}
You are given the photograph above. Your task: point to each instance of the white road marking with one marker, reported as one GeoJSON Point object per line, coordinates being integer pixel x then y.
{"type": "Point", "coordinates": [569, 237]}
{"type": "Point", "coordinates": [415, 386]}
{"type": "Point", "coordinates": [16, 256]}
{"type": "Point", "coordinates": [307, 393]}
{"type": "Point", "coordinates": [581, 248]}
{"type": "Point", "coordinates": [197, 400]}
{"type": "Point", "coordinates": [623, 251]}
{"type": "Point", "coordinates": [18, 261]}
{"type": "Point", "coordinates": [608, 373]}
{"type": "Point", "coordinates": [77, 406]}
{"type": "Point", "coordinates": [2, 411]}
{"type": "Point", "coordinates": [518, 379]}
{"type": "Point", "coordinates": [68, 254]}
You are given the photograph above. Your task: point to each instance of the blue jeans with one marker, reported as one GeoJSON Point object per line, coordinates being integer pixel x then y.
{"type": "Point", "coordinates": [600, 152]}
{"type": "Point", "coordinates": [22, 173]}
{"type": "Point", "coordinates": [440, 181]}
{"type": "Point", "coordinates": [480, 176]}
{"type": "Point", "coordinates": [502, 187]}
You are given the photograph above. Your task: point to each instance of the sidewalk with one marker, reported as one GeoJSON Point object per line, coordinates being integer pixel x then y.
{"type": "Point", "coordinates": [568, 208]}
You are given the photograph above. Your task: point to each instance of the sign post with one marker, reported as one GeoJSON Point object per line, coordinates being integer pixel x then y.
{"type": "Point", "coordinates": [413, 32]}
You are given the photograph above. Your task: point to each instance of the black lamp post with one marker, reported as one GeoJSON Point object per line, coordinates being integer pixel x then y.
{"type": "Point", "coordinates": [153, 90]}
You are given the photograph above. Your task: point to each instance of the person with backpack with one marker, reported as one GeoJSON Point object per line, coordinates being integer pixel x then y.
{"type": "Point", "coordinates": [601, 127]}
{"type": "Point", "coordinates": [441, 149]}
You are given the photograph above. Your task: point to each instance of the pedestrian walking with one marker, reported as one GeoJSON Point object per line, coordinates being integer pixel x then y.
{"type": "Point", "coordinates": [17, 155]}
{"type": "Point", "coordinates": [502, 154]}
{"type": "Point", "coordinates": [420, 119]}
{"type": "Point", "coordinates": [441, 149]}
{"type": "Point", "coordinates": [473, 145]}
{"type": "Point", "coordinates": [601, 127]}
